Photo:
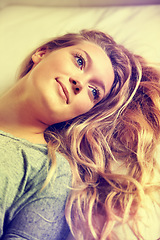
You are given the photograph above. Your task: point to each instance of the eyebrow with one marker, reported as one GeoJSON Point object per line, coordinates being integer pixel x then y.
{"type": "Point", "coordinates": [89, 59]}
{"type": "Point", "coordinates": [97, 82]}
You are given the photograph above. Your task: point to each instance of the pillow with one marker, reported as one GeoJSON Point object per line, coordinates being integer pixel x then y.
{"type": "Point", "coordinates": [23, 28]}
{"type": "Point", "coordinates": [76, 3]}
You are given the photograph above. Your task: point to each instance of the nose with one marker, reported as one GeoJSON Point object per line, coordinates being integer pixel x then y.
{"type": "Point", "coordinates": [76, 85]}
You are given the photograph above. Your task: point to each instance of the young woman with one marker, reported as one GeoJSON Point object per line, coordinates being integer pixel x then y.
{"type": "Point", "coordinates": [58, 86]}
{"type": "Point", "coordinates": [96, 104]}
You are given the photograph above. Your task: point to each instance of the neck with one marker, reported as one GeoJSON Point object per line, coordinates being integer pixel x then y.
{"type": "Point", "coordinates": [17, 116]}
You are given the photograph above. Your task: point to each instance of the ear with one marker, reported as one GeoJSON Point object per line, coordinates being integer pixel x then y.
{"type": "Point", "coordinates": [39, 55]}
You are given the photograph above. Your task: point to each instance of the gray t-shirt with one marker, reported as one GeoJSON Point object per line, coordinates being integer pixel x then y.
{"type": "Point", "coordinates": [25, 211]}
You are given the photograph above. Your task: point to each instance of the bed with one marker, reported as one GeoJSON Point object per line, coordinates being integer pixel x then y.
{"type": "Point", "coordinates": [24, 24]}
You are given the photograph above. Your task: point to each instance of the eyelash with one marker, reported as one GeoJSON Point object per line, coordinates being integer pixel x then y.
{"type": "Point", "coordinates": [79, 57]}
{"type": "Point", "coordinates": [97, 92]}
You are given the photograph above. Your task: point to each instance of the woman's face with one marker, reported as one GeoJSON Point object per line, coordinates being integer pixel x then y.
{"type": "Point", "coordinates": [69, 81]}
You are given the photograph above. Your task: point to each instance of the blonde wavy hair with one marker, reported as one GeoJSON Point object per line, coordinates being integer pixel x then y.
{"type": "Point", "coordinates": [123, 128]}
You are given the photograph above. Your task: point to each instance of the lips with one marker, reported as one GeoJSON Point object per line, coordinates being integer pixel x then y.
{"type": "Point", "coordinates": [63, 91]}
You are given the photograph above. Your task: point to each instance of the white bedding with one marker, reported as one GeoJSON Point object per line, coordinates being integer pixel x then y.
{"type": "Point", "coordinates": [23, 27]}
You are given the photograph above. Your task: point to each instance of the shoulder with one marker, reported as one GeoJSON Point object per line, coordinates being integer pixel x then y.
{"type": "Point", "coordinates": [44, 210]}
{"type": "Point", "coordinates": [13, 150]}
{"type": "Point", "coordinates": [11, 159]}
{"type": "Point", "coordinates": [60, 183]}
{"type": "Point", "coordinates": [20, 170]}
{"type": "Point", "coordinates": [19, 157]}
{"type": "Point", "coordinates": [63, 165]}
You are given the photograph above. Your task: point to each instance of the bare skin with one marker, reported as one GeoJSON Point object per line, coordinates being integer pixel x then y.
{"type": "Point", "coordinates": [61, 85]}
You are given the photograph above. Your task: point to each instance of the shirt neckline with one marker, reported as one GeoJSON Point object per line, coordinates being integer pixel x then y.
{"type": "Point", "coordinates": [23, 140]}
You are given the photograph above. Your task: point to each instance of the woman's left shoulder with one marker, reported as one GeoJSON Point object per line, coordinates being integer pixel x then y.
{"type": "Point", "coordinates": [63, 166]}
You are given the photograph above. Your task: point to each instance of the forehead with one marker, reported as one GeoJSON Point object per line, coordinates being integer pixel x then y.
{"type": "Point", "coordinates": [90, 47]}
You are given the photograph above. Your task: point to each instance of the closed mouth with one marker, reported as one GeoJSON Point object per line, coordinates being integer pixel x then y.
{"type": "Point", "coordinates": [64, 90]}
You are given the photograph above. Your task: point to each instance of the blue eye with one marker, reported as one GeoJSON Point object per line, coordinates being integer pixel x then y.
{"type": "Point", "coordinates": [80, 61]}
{"type": "Point", "coordinates": [95, 92]}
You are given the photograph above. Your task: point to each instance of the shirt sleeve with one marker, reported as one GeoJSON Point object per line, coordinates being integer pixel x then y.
{"type": "Point", "coordinates": [41, 219]}
{"type": "Point", "coordinates": [10, 184]}
{"type": "Point", "coordinates": [42, 216]}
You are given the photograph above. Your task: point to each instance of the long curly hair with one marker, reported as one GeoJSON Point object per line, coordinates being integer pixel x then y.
{"type": "Point", "coordinates": [111, 148]}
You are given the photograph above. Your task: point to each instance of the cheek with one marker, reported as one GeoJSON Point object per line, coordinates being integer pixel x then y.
{"type": "Point", "coordinates": [60, 63]}
{"type": "Point", "coordinates": [41, 71]}
{"type": "Point", "coordinates": [82, 106]}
